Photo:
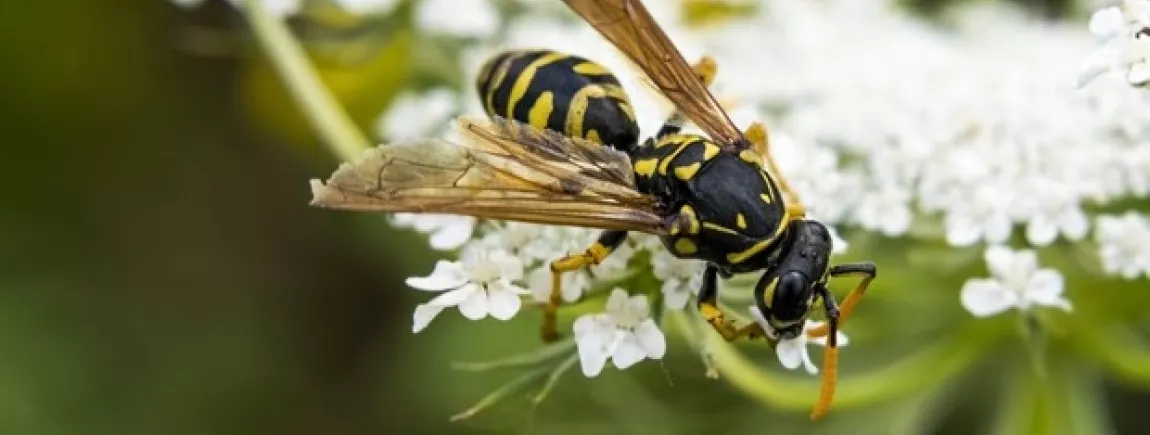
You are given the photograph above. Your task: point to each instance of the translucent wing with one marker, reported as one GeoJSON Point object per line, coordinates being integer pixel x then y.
{"type": "Point", "coordinates": [501, 170]}
{"type": "Point", "coordinates": [630, 27]}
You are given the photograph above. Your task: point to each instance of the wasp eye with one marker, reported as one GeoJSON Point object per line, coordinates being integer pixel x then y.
{"type": "Point", "coordinates": [792, 297]}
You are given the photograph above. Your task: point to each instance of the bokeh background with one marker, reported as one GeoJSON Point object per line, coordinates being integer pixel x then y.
{"type": "Point", "coordinates": [161, 272]}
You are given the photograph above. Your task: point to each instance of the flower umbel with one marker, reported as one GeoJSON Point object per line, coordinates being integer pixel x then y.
{"type": "Point", "coordinates": [481, 284]}
{"type": "Point", "coordinates": [1016, 282]}
{"type": "Point", "coordinates": [625, 333]}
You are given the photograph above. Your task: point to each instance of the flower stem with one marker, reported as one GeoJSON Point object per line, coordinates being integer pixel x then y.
{"type": "Point", "coordinates": [518, 383]}
{"type": "Point", "coordinates": [329, 120]}
{"type": "Point", "coordinates": [557, 373]}
{"type": "Point", "coordinates": [524, 359]}
{"type": "Point", "coordinates": [915, 372]}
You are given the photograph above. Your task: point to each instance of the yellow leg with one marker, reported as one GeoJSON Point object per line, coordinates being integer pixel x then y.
{"type": "Point", "coordinates": [713, 315]}
{"type": "Point", "coordinates": [757, 135]}
{"type": "Point", "coordinates": [603, 247]}
{"type": "Point", "coordinates": [836, 320]}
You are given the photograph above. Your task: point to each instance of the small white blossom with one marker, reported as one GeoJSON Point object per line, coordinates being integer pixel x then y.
{"type": "Point", "coordinates": [574, 284]}
{"type": "Point", "coordinates": [985, 217]}
{"type": "Point", "coordinates": [481, 284]}
{"type": "Point", "coordinates": [276, 8]}
{"type": "Point", "coordinates": [467, 19]}
{"type": "Point", "coordinates": [793, 352]}
{"type": "Point", "coordinates": [625, 334]}
{"type": "Point", "coordinates": [1124, 244]}
{"type": "Point", "coordinates": [364, 7]}
{"type": "Point", "coordinates": [1015, 282]}
{"type": "Point", "coordinates": [447, 231]}
{"type": "Point", "coordinates": [1124, 32]}
{"type": "Point", "coordinates": [416, 115]}
{"type": "Point", "coordinates": [681, 278]}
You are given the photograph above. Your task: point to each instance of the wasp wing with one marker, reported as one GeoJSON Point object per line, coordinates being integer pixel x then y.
{"type": "Point", "coordinates": [500, 170]}
{"type": "Point", "coordinates": [630, 27]}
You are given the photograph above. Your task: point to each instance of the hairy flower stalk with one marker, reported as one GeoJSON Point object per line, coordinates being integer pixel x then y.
{"type": "Point", "coordinates": [965, 163]}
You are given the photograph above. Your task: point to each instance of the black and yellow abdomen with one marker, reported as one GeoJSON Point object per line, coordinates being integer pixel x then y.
{"type": "Point", "coordinates": [560, 92]}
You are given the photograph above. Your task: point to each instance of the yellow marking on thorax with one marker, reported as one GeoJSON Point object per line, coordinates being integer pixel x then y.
{"type": "Point", "coordinates": [740, 221]}
{"type": "Point", "coordinates": [671, 139]}
{"type": "Point", "coordinates": [751, 157]}
{"type": "Point", "coordinates": [666, 161]}
{"type": "Point", "coordinates": [526, 77]}
{"type": "Point", "coordinates": [500, 75]}
{"type": "Point", "coordinates": [710, 150]}
{"type": "Point", "coordinates": [646, 167]}
{"type": "Point", "coordinates": [593, 136]}
{"type": "Point", "coordinates": [577, 108]}
{"type": "Point", "coordinates": [541, 111]}
{"type": "Point", "coordinates": [591, 69]}
{"type": "Point", "coordinates": [739, 257]}
{"type": "Point", "coordinates": [685, 246]}
{"type": "Point", "coordinates": [719, 228]}
{"type": "Point", "coordinates": [766, 197]}
{"type": "Point", "coordinates": [688, 213]}
{"type": "Point", "coordinates": [687, 172]}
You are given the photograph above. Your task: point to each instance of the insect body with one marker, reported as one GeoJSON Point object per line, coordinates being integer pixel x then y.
{"type": "Point", "coordinates": [561, 92]}
{"type": "Point", "coordinates": [717, 197]}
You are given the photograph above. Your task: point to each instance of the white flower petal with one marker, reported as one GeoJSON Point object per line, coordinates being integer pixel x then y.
{"type": "Point", "coordinates": [1074, 224]}
{"type": "Point", "coordinates": [475, 307]}
{"type": "Point", "coordinates": [808, 364]}
{"type": "Point", "coordinates": [1000, 260]}
{"type": "Point", "coordinates": [628, 352]}
{"type": "Point", "coordinates": [651, 339]}
{"type": "Point", "coordinates": [1045, 288]}
{"type": "Point", "coordinates": [1139, 74]}
{"type": "Point", "coordinates": [446, 275]}
{"type": "Point", "coordinates": [1041, 231]}
{"type": "Point", "coordinates": [1106, 22]}
{"type": "Point", "coordinates": [617, 302]}
{"type": "Point", "coordinates": [675, 294]}
{"type": "Point", "coordinates": [986, 297]}
{"type": "Point", "coordinates": [791, 353]}
{"type": "Point", "coordinates": [960, 231]}
{"type": "Point", "coordinates": [451, 236]}
{"type": "Point", "coordinates": [504, 302]}
{"type": "Point", "coordinates": [593, 345]}
{"type": "Point", "coordinates": [423, 316]}
{"type": "Point", "coordinates": [454, 297]}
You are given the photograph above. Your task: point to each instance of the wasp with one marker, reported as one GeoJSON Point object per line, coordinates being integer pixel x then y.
{"type": "Point", "coordinates": [560, 146]}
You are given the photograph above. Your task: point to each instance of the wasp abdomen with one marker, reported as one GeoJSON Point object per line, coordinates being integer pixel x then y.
{"type": "Point", "coordinates": [560, 92]}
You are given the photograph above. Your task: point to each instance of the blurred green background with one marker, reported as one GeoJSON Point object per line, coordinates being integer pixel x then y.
{"type": "Point", "coordinates": [161, 272]}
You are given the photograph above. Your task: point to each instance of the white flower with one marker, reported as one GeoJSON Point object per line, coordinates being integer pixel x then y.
{"type": "Point", "coordinates": [985, 217]}
{"type": "Point", "coordinates": [574, 284]}
{"type": "Point", "coordinates": [1124, 244]}
{"type": "Point", "coordinates": [416, 115]}
{"type": "Point", "coordinates": [1124, 32]}
{"type": "Point", "coordinates": [447, 231]}
{"type": "Point", "coordinates": [1016, 282]}
{"type": "Point", "coordinates": [1056, 213]}
{"type": "Point", "coordinates": [681, 278]}
{"type": "Point", "coordinates": [793, 352]}
{"type": "Point", "coordinates": [364, 7]}
{"type": "Point", "coordinates": [276, 8]}
{"type": "Point", "coordinates": [467, 19]}
{"type": "Point", "coordinates": [625, 334]}
{"type": "Point", "coordinates": [480, 285]}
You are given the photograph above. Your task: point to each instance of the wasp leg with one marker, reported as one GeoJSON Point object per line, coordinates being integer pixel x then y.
{"type": "Point", "coordinates": [836, 317]}
{"type": "Point", "coordinates": [705, 69]}
{"type": "Point", "coordinates": [757, 135]}
{"type": "Point", "coordinates": [713, 315]}
{"type": "Point", "coordinates": [607, 243]}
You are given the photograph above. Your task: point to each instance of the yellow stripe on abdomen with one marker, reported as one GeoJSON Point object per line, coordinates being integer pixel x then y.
{"type": "Point", "coordinates": [526, 77]}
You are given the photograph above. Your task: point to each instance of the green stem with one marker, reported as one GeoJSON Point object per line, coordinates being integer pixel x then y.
{"type": "Point", "coordinates": [322, 110]}
{"type": "Point", "coordinates": [553, 379]}
{"type": "Point", "coordinates": [929, 366]}
{"type": "Point", "coordinates": [1016, 415]}
{"type": "Point", "coordinates": [538, 356]}
{"type": "Point", "coordinates": [518, 383]}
